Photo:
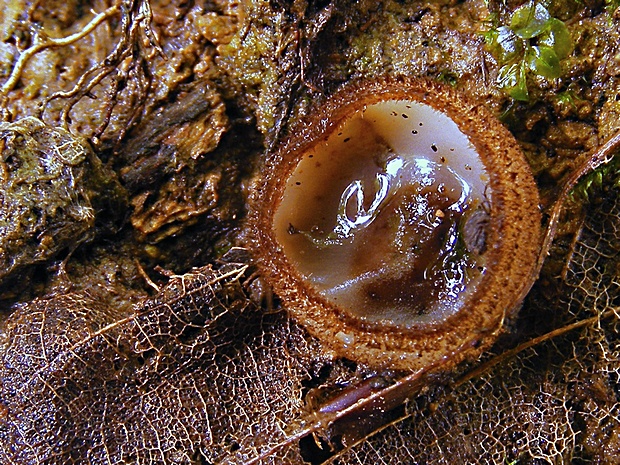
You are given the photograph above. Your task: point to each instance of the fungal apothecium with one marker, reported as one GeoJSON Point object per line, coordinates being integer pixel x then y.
{"type": "Point", "coordinates": [399, 224]}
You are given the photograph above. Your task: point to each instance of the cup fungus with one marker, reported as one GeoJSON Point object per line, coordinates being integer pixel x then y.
{"type": "Point", "coordinates": [400, 225]}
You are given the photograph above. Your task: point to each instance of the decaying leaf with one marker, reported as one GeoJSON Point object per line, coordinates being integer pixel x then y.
{"type": "Point", "coordinates": [155, 383]}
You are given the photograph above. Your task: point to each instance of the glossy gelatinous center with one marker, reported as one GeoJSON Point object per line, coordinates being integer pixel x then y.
{"type": "Point", "coordinates": [386, 216]}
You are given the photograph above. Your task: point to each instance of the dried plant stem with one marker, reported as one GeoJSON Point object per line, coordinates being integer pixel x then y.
{"type": "Point", "coordinates": [493, 362]}
{"type": "Point", "coordinates": [601, 156]}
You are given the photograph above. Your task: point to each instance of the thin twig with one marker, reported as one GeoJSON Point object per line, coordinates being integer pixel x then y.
{"type": "Point", "coordinates": [487, 366]}
{"type": "Point", "coordinates": [602, 155]}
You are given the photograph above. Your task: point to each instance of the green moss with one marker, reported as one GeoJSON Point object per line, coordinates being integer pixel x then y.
{"type": "Point", "coordinates": [567, 98]}
{"type": "Point", "coordinates": [591, 185]}
{"type": "Point", "coordinates": [533, 42]}
{"type": "Point", "coordinates": [529, 20]}
{"type": "Point", "coordinates": [612, 5]}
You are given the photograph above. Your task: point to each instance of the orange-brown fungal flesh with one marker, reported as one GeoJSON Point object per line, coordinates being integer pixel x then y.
{"type": "Point", "coordinates": [399, 225]}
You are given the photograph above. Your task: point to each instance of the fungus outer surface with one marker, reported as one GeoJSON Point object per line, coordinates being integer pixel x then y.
{"type": "Point", "coordinates": [399, 224]}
